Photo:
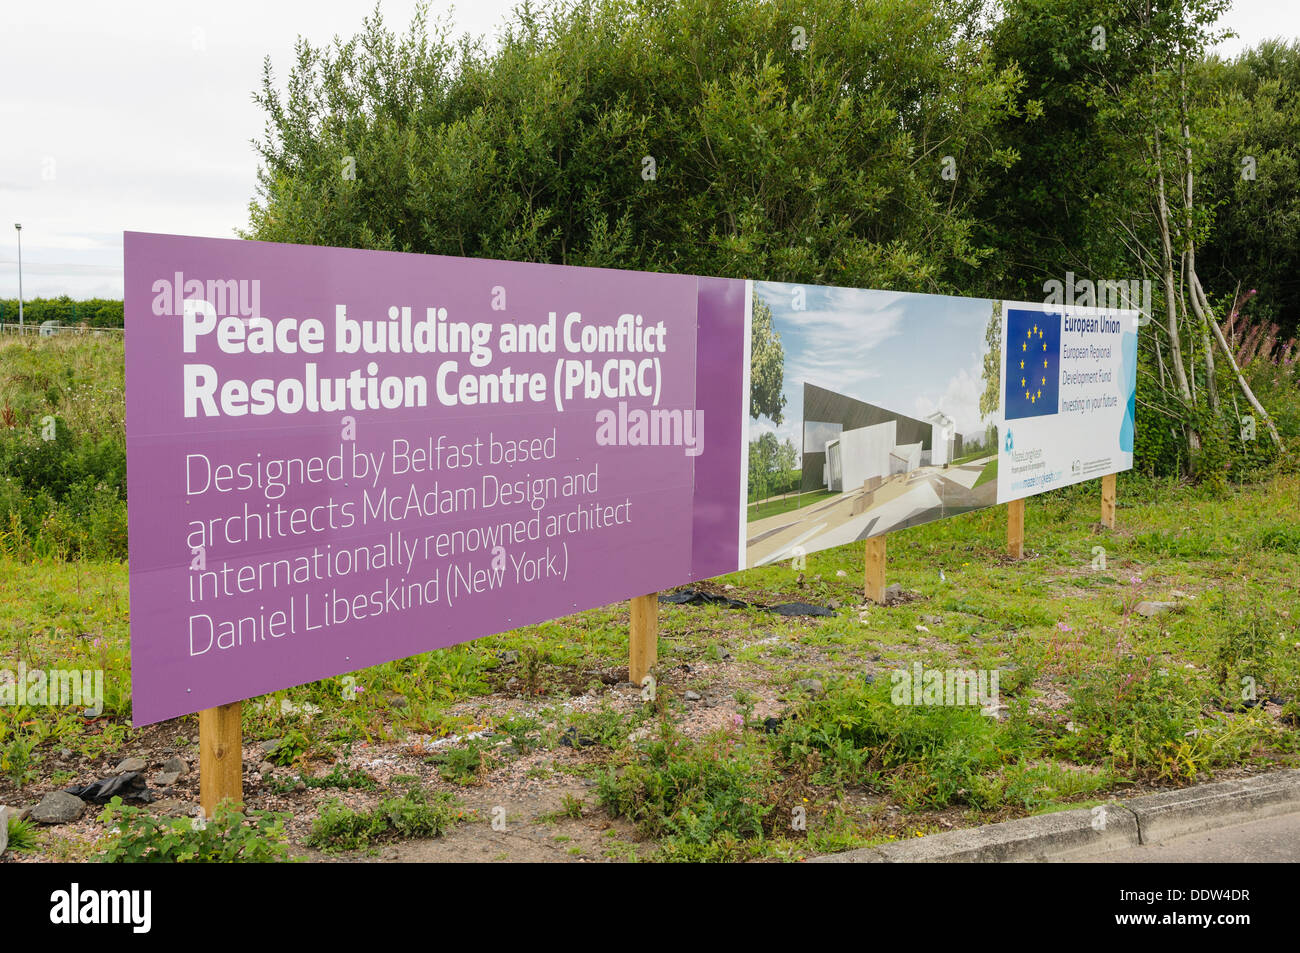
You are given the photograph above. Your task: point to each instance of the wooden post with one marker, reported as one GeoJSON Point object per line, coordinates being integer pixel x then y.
{"type": "Point", "coordinates": [873, 569]}
{"type": "Point", "coordinates": [221, 757]}
{"type": "Point", "coordinates": [644, 641]}
{"type": "Point", "coordinates": [1016, 529]}
{"type": "Point", "coordinates": [1108, 500]}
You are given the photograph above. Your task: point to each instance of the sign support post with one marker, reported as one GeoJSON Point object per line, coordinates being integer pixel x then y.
{"type": "Point", "coordinates": [873, 569]}
{"type": "Point", "coordinates": [644, 640]}
{"type": "Point", "coordinates": [221, 757]}
{"type": "Point", "coordinates": [1016, 529]}
{"type": "Point", "coordinates": [1108, 495]}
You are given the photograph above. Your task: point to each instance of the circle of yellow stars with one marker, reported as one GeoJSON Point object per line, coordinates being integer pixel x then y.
{"type": "Point", "coordinates": [1032, 395]}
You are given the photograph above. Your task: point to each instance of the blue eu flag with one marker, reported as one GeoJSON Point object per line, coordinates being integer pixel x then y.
{"type": "Point", "coordinates": [1033, 364]}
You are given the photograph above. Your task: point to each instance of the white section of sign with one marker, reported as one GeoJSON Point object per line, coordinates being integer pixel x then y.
{"type": "Point", "coordinates": [744, 424]}
{"type": "Point", "coordinates": [1089, 431]}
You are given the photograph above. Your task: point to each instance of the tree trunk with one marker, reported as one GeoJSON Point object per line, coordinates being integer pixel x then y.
{"type": "Point", "coordinates": [1211, 382]}
{"type": "Point", "coordinates": [1171, 305]}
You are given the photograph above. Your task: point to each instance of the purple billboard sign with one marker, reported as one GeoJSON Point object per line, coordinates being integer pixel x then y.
{"type": "Point", "coordinates": [338, 458]}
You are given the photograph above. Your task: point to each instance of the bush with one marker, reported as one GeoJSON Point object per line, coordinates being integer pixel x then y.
{"type": "Point", "coordinates": [62, 449]}
{"type": "Point", "coordinates": [230, 837]}
{"type": "Point", "coordinates": [414, 814]}
{"type": "Point", "coordinates": [93, 312]}
{"type": "Point", "coordinates": [1134, 715]}
{"type": "Point", "coordinates": [706, 798]}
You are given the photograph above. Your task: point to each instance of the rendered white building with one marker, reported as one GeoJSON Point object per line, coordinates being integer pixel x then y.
{"type": "Point", "coordinates": [943, 438]}
{"type": "Point", "coordinates": [904, 458]}
{"type": "Point", "coordinates": [858, 455]}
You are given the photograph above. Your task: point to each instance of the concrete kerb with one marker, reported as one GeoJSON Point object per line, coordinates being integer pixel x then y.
{"type": "Point", "coordinates": [1206, 806]}
{"type": "Point", "coordinates": [1086, 832]}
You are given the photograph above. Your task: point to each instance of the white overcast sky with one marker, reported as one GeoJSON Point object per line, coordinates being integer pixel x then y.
{"type": "Point", "coordinates": [138, 116]}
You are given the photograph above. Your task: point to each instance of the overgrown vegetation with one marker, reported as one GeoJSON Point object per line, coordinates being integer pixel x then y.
{"type": "Point", "coordinates": [62, 448]}
{"type": "Point", "coordinates": [779, 153]}
{"type": "Point", "coordinates": [230, 837]}
{"type": "Point", "coordinates": [413, 814]}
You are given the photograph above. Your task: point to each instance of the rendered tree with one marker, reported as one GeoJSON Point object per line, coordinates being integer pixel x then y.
{"type": "Point", "coordinates": [991, 398]}
{"type": "Point", "coordinates": [766, 366]}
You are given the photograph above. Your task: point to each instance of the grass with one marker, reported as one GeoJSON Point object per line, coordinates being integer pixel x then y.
{"type": "Point", "coordinates": [707, 800]}
{"type": "Point", "coordinates": [761, 511]}
{"type": "Point", "coordinates": [22, 835]}
{"type": "Point", "coordinates": [75, 615]}
{"type": "Point", "coordinates": [1098, 696]}
{"type": "Point", "coordinates": [413, 814]}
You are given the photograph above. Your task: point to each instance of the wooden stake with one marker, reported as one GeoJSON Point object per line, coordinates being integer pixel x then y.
{"type": "Point", "coordinates": [644, 641]}
{"type": "Point", "coordinates": [1016, 529]}
{"type": "Point", "coordinates": [873, 569]}
{"type": "Point", "coordinates": [1108, 500]}
{"type": "Point", "coordinates": [221, 755]}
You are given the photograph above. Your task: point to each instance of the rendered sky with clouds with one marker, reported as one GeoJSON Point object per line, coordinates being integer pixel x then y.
{"type": "Point", "coordinates": [910, 353]}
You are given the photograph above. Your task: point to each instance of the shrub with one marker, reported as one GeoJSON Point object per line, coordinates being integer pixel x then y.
{"type": "Point", "coordinates": [230, 837]}
{"type": "Point", "coordinates": [706, 798]}
{"type": "Point", "coordinates": [1133, 715]}
{"type": "Point", "coordinates": [926, 755]}
{"type": "Point", "coordinates": [414, 814]}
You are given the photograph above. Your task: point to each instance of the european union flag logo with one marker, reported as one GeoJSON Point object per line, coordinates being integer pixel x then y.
{"type": "Point", "coordinates": [1033, 364]}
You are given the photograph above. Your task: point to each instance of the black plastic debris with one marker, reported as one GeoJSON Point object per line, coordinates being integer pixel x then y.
{"type": "Point", "coordinates": [131, 786]}
{"type": "Point", "coordinates": [694, 597]}
{"type": "Point", "coordinates": [571, 739]}
{"type": "Point", "coordinates": [798, 608]}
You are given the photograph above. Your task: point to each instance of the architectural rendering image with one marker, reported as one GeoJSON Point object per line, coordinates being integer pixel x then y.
{"type": "Point", "coordinates": [885, 402]}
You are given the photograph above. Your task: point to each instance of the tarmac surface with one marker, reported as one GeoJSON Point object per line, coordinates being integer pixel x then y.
{"type": "Point", "coordinates": [1268, 840]}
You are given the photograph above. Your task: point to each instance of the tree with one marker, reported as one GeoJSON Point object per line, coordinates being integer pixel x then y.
{"type": "Point", "coordinates": [1250, 175]}
{"type": "Point", "coordinates": [991, 398]}
{"type": "Point", "coordinates": [763, 454]}
{"type": "Point", "coordinates": [1110, 161]}
{"type": "Point", "coordinates": [787, 458]}
{"type": "Point", "coordinates": [766, 366]}
{"type": "Point", "coordinates": [816, 162]}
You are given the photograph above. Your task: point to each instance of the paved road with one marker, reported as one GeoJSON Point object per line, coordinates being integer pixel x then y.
{"type": "Point", "coordinates": [1269, 840]}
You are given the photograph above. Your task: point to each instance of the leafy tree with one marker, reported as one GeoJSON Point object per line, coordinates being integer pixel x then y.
{"type": "Point", "coordinates": [787, 457]}
{"type": "Point", "coordinates": [766, 366]}
{"type": "Point", "coordinates": [699, 136]}
{"type": "Point", "coordinates": [763, 454]}
{"type": "Point", "coordinates": [772, 464]}
{"type": "Point", "coordinates": [1251, 175]}
{"type": "Point", "coordinates": [991, 398]}
{"type": "Point", "coordinates": [1112, 151]}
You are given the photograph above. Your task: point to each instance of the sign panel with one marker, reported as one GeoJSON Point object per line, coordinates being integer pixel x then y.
{"type": "Point", "coordinates": [872, 411]}
{"type": "Point", "coordinates": [1070, 395]}
{"type": "Point", "coordinates": [340, 457]}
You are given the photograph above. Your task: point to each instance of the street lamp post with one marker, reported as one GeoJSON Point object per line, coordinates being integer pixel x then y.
{"type": "Point", "coordinates": [20, 276]}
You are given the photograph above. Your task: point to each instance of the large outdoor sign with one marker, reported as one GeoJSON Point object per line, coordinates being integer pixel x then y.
{"type": "Point", "coordinates": [338, 457]}
{"type": "Point", "coordinates": [873, 411]}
